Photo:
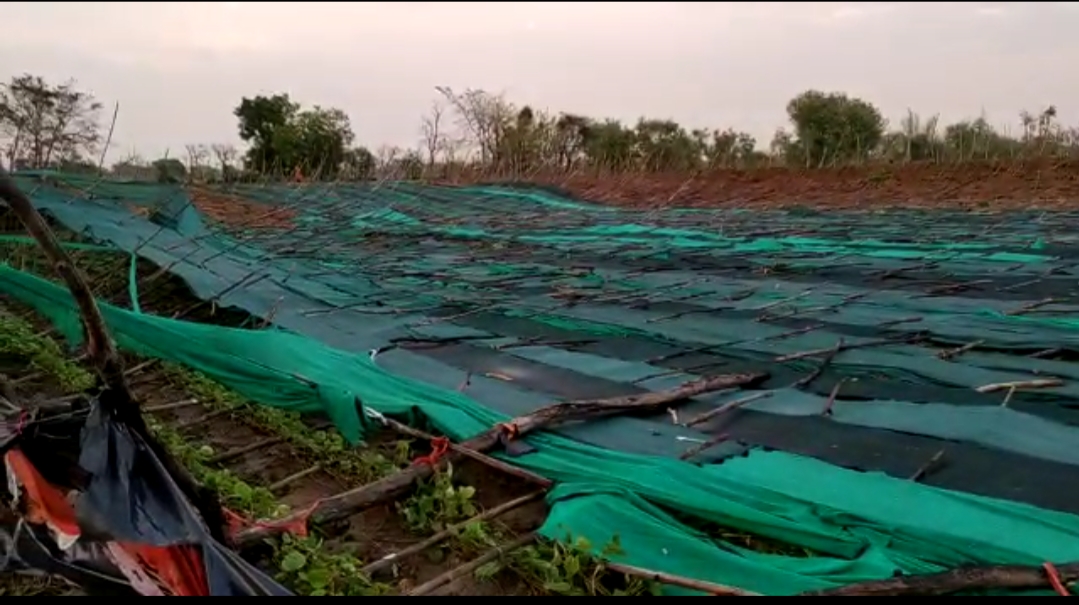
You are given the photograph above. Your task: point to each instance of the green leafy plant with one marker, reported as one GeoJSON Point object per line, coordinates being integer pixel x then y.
{"type": "Point", "coordinates": [437, 503]}
{"type": "Point", "coordinates": [568, 568]}
{"type": "Point", "coordinates": [234, 492]}
{"type": "Point", "coordinates": [305, 566]}
{"type": "Point", "coordinates": [18, 340]}
{"type": "Point", "coordinates": [328, 447]}
{"type": "Point", "coordinates": [17, 585]}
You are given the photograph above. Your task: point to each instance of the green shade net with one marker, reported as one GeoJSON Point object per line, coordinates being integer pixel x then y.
{"type": "Point", "coordinates": [860, 526]}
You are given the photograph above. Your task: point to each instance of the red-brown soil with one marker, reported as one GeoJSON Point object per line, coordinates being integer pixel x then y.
{"type": "Point", "coordinates": [237, 211]}
{"type": "Point", "coordinates": [1035, 184]}
{"type": "Point", "coordinates": [1012, 186]}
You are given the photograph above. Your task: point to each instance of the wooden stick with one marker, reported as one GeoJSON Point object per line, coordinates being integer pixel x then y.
{"type": "Point", "coordinates": [100, 347]}
{"type": "Point", "coordinates": [202, 419]}
{"type": "Point", "coordinates": [390, 559]}
{"type": "Point", "coordinates": [141, 366]}
{"type": "Point", "coordinates": [957, 580]}
{"type": "Point", "coordinates": [171, 406]}
{"type": "Point", "coordinates": [902, 320]}
{"type": "Point", "coordinates": [726, 407]}
{"type": "Point", "coordinates": [1040, 383]}
{"type": "Point", "coordinates": [952, 353]}
{"type": "Point", "coordinates": [700, 447]}
{"type": "Point", "coordinates": [827, 361]}
{"type": "Point", "coordinates": [282, 484]}
{"type": "Point", "coordinates": [232, 454]}
{"type": "Point", "coordinates": [830, 402]}
{"type": "Point", "coordinates": [102, 353]}
{"type": "Point", "coordinates": [1008, 397]}
{"type": "Point", "coordinates": [468, 453]}
{"type": "Point", "coordinates": [1046, 353]}
{"type": "Point", "coordinates": [847, 347]}
{"type": "Point", "coordinates": [28, 378]}
{"type": "Point", "coordinates": [1027, 308]}
{"type": "Point", "coordinates": [716, 590]}
{"type": "Point", "coordinates": [928, 467]}
{"type": "Point", "coordinates": [953, 288]}
{"type": "Point", "coordinates": [472, 565]}
{"type": "Point", "coordinates": [355, 500]}
{"type": "Point", "coordinates": [599, 408]}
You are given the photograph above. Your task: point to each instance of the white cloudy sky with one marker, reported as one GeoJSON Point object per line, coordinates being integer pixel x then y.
{"type": "Point", "coordinates": [177, 69]}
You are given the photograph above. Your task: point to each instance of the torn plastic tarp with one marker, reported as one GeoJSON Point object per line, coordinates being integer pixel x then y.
{"type": "Point", "coordinates": [90, 501]}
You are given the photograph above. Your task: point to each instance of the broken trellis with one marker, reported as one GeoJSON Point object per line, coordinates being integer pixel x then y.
{"type": "Point", "coordinates": [102, 354]}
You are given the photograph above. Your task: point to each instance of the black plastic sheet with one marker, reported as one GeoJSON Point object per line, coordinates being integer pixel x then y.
{"type": "Point", "coordinates": [125, 496]}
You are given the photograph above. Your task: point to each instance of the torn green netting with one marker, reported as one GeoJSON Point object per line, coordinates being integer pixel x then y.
{"type": "Point", "coordinates": [859, 525]}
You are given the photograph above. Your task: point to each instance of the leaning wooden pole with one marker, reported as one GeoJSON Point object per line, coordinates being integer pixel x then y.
{"type": "Point", "coordinates": [100, 348]}
{"type": "Point", "coordinates": [103, 355]}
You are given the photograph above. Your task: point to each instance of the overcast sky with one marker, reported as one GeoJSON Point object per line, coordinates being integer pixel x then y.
{"type": "Point", "coordinates": [178, 69]}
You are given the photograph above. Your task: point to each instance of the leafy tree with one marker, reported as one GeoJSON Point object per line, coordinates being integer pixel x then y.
{"type": "Point", "coordinates": [833, 128]}
{"type": "Point", "coordinates": [261, 118]}
{"type": "Point", "coordinates": [46, 124]}
{"type": "Point", "coordinates": [316, 141]}
{"type": "Point", "coordinates": [665, 145]}
{"type": "Point", "coordinates": [915, 141]}
{"type": "Point", "coordinates": [976, 140]}
{"type": "Point", "coordinates": [284, 138]}
{"type": "Point", "coordinates": [571, 133]}
{"type": "Point", "coordinates": [359, 164]}
{"type": "Point", "coordinates": [611, 145]}
{"type": "Point", "coordinates": [729, 148]}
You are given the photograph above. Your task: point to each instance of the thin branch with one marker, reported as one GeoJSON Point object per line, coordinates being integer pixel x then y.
{"type": "Point", "coordinates": [1038, 383]}
{"type": "Point", "coordinates": [1012, 577]}
{"type": "Point", "coordinates": [108, 139]}
{"type": "Point", "coordinates": [715, 590]}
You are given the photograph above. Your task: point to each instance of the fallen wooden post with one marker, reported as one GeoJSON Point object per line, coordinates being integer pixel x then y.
{"type": "Point", "coordinates": [361, 498]}
{"type": "Point", "coordinates": [996, 577]}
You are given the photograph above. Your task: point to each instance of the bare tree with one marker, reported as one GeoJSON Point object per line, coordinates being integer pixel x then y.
{"type": "Point", "coordinates": [197, 156]}
{"type": "Point", "coordinates": [226, 155]}
{"type": "Point", "coordinates": [484, 116]}
{"type": "Point", "coordinates": [44, 124]}
{"type": "Point", "coordinates": [386, 154]}
{"type": "Point", "coordinates": [432, 133]}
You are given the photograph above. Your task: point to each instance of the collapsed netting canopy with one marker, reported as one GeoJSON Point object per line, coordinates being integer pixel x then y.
{"type": "Point", "coordinates": [473, 305]}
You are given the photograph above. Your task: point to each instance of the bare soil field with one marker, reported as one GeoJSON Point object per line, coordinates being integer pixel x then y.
{"type": "Point", "coordinates": [986, 186]}
{"type": "Point", "coordinates": [996, 186]}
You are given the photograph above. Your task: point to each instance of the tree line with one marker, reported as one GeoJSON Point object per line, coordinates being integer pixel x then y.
{"type": "Point", "coordinates": [58, 126]}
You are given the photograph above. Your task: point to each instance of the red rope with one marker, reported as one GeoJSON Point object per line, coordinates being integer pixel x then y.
{"type": "Point", "coordinates": [511, 430]}
{"type": "Point", "coordinates": [295, 524]}
{"type": "Point", "coordinates": [439, 447]}
{"type": "Point", "coordinates": [1054, 579]}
